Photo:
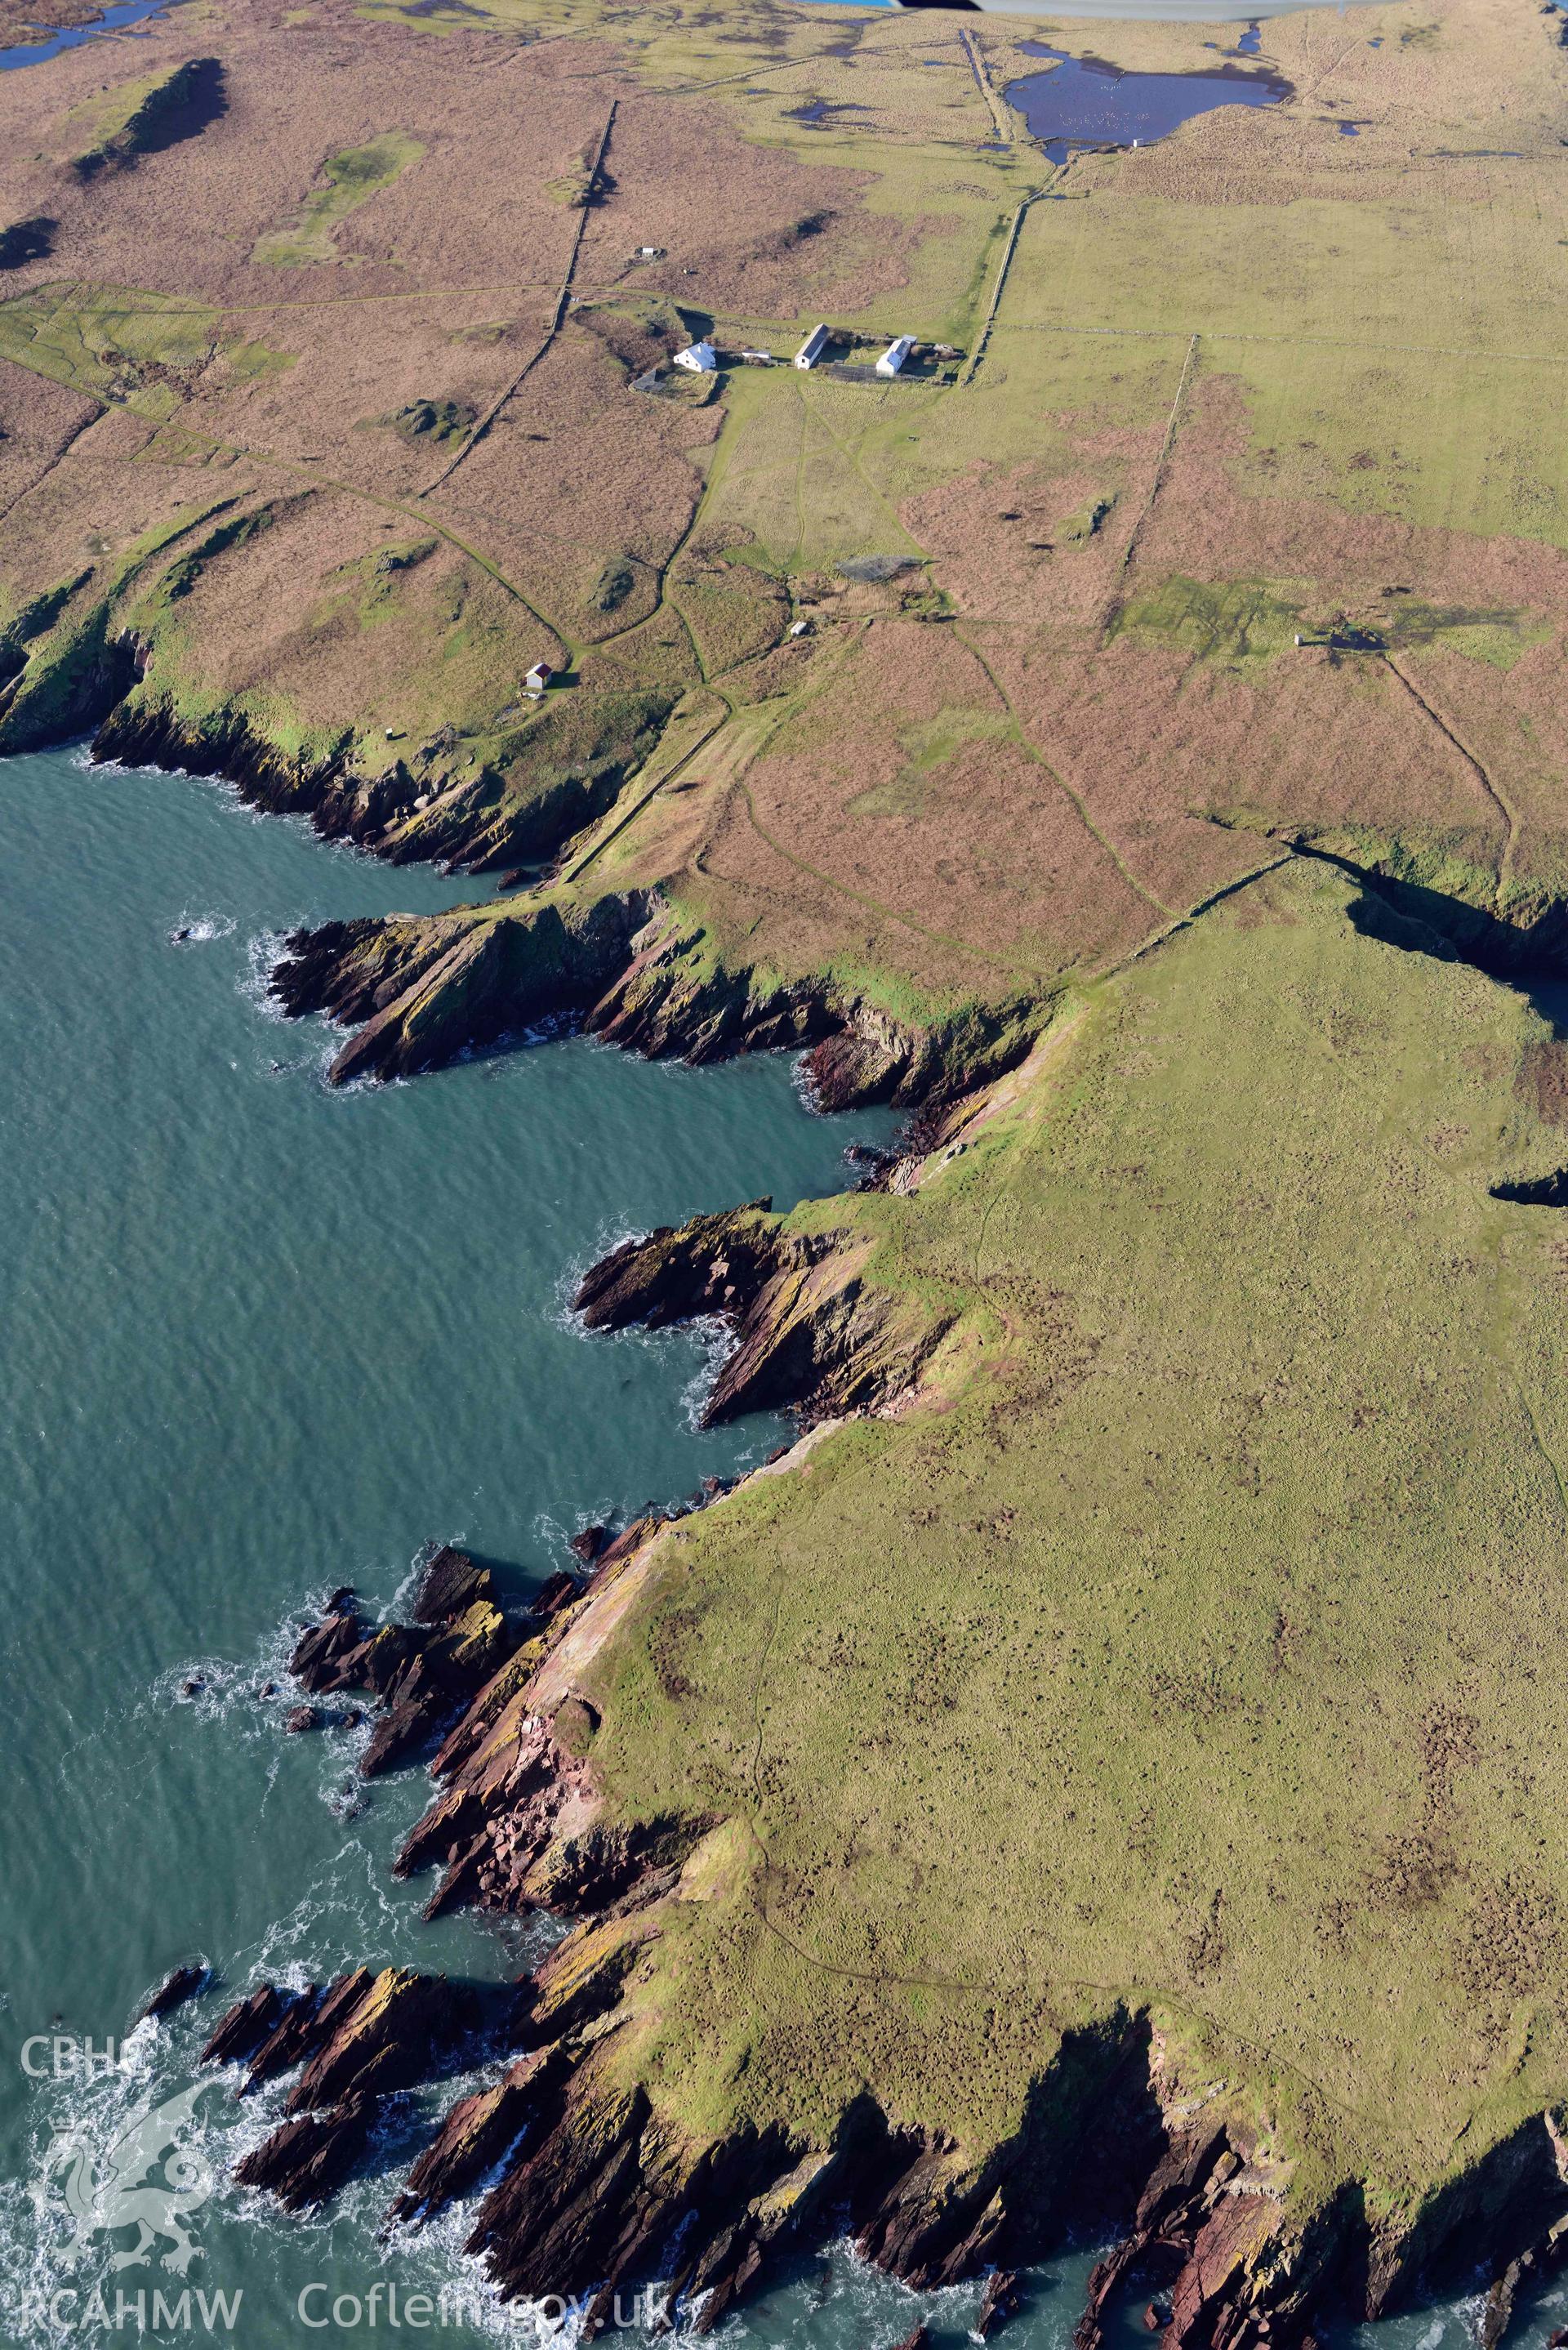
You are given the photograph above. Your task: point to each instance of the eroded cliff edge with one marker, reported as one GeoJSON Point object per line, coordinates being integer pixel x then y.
{"type": "Point", "coordinates": [420, 989]}
{"type": "Point", "coordinates": [1063, 1793]}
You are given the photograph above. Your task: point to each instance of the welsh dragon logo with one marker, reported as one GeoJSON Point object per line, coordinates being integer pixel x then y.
{"type": "Point", "coordinates": [148, 2180]}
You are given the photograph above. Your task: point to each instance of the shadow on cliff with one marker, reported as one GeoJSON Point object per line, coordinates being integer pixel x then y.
{"type": "Point", "coordinates": [1486, 2230]}
{"type": "Point", "coordinates": [1427, 922]}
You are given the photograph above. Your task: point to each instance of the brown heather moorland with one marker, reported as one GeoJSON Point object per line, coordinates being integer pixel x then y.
{"type": "Point", "coordinates": [1110, 1770]}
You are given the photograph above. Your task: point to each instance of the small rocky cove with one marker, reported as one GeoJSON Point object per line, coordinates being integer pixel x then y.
{"type": "Point", "coordinates": [577, 2185]}
{"type": "Point", "coordinates": [581, 2188]}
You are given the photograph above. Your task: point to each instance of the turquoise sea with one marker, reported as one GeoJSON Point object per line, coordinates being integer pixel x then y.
{"type": "Point", "coordinates": [261, 1337]}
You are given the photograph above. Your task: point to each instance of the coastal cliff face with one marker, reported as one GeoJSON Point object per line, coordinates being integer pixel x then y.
{"type": "Point", "coordinates": [585, 2187]}
{"type": "Point", "coordinates": [809, 1335]}
{"type": "Point", "coordinates": [427, 987]}
{"type": "Point", "coordinates": [903, 1656]}
{"type": "Point", "coordinates": [127, 655]}
{"type": "Point", "coordinates": [506, 810]}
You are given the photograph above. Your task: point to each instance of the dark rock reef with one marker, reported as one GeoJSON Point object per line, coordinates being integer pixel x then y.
{"type": "Point", "coordinates": [358, 2043]}
{"type": "Point", "coordinates": [426, 1672]}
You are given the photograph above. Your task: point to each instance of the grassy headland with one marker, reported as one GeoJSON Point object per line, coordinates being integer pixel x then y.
{"type": "Point", "coordinates": [1175, 1653]}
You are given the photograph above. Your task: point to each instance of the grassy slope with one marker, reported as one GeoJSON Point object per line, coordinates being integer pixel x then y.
{"type": "Point", "coordinates": [1315, 274]}
{"type": "Point", "coordinates": [1196, 1657]}
{"type": "Point", "coordinates": [352, 178]}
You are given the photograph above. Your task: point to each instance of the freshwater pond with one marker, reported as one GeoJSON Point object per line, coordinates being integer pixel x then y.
{"type": "Point", "coordinates": [1088, 102]}
{"type": "Point", "coordinates": [115, 19]}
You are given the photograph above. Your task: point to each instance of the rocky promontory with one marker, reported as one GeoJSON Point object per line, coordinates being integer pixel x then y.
{"type": "Point", "coordinates": [745, 2040]}
{"type": "Point", "coordinates": [424, 1672]}
{"type": "Point", "coordinates": [809, 1335]}
{"type": "Point", "coordinates": [584, 2186]}
{"type": "Point", "coordinates": [427, 987]}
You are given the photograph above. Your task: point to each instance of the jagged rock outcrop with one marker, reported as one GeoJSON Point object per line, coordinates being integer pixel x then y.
{"type": "Point", "coordinates": [501, 1810]}
{"type": "Point", "coordinates": [425, 1672]}
{"type": "Point", "coordinates": [305, 2161]}
{"type": "Point", "coordinates": [810, 1336]}
{"type": "Point", "coordinates": [182, 1984]}
{"type": "Point", "coordinates": [1527, 2271]}
{"type": "Point", "coordinates": [244, 2027]}
{"type": "Point", "coordinates": [429, 987]}
{"type": "Point", "coordinates": [674, 1001]}
{"type": "Point", "coordinates": [363, 2040]}
{"type": "Point", "coordinates": [1002, 2299]}
{"type": "Point", "coordinates": [475, 2135]}
{"type": "Point", "coordinates": [142, 730]}
{"type": "Point", "coordinates": [1203, 2224]}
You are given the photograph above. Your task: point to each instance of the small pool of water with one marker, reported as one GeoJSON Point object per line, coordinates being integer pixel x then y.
{"type": "Point", "coordinates": [71, 37]}
{"type": "Point", "coordinates": [1089, 102]}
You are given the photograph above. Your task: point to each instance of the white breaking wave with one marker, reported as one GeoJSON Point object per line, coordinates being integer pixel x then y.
{"type": "Point", "coordinates": [200, 930]}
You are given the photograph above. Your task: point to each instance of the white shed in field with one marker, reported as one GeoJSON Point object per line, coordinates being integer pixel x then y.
{"type": "Point", "coordinates": [538, 677]}
{"type": "Point", "coordinates": [897, 352]}
{"type": "Point", "coordinates": [811, 350]}
{"type": "Point", "coordinates": [698, 359]}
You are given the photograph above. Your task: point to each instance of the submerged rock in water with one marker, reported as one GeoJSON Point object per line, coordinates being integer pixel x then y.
{"type": "Point", "coordinates": [182, 1984]}
{"type": "Point", "coordinates": [1000, 2301]}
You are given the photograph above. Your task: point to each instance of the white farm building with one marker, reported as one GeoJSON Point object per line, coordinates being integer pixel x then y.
{"type": "Point", "coordinates": [811, 350]}
{"type": "Point", "coordinates": [897, 352]}
{"type": "Point", "coordinates": [698, 359]}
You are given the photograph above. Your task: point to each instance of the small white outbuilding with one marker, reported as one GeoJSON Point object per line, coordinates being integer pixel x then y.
{"type": "Point", "coordinates": [698, 359]}
{"type": "Point", "coordinates": [897, 352]}
{"type": "Point", "coordinates": [538, 677]}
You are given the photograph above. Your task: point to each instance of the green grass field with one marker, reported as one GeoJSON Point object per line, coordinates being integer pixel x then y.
{"type": "Point", "coordinates": [352, 178]}
{"type": "Point", "coordinates": [1214, 1588]}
